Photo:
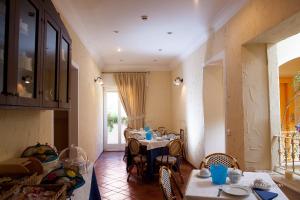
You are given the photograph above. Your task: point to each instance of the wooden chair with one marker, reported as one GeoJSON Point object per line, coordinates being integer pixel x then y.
{"type": "Point", "coordinates": [182, 137]}
{"type": "Point", "coordinates": [162, 130]}
{"type": "Point", "coordinates": [219, 158]}
{"type": "Point", "coordinates": [166, 179]}
{"type": "Point", "coordinates": [126, 136]}
{"type": "Point", "coordinates": [138, 159]}
{"type": "Point", "coordinates": [175, 153]}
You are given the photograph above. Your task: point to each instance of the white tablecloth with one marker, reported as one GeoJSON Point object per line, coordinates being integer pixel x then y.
{"type": "Point", "coordinates": [202, 189]}
{"type": "Point", "coordinates": [140, 132]}
{"type": "Point", "coordinates": [153, 144]}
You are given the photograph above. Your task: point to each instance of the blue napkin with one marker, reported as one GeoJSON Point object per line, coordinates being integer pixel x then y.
{"type": "Point", "coordinates": [265, 195]}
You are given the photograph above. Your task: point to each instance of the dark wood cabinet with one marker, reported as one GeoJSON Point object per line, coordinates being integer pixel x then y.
{"type": "Point", "coordinates": [64, 80]}
{"type": "Point", "coordinates": [51, 62]}
{"type": "Point", "coordinates": [4, 11]}
{"type": "Point", "coordinates": [35, 55]}
{"type": "Point", "coordinates": [28, 38]}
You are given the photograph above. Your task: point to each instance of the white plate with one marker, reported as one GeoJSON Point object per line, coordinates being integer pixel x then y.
{"type": "Point", "coordinates": [237, 190]}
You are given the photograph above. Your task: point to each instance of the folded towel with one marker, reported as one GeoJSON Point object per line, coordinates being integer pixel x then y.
{"type": "Point", "coordinates": [265, 195]}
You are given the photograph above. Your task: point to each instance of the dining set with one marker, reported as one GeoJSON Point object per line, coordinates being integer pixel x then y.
{"type": "Point", "coordinates": [219, 177]}
{"type": "Point", "coordinates": [164, 148]}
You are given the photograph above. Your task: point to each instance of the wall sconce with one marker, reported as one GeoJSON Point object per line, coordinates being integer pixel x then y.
{"type": "Point", "coordinates": [99, 80]}
{"type": "Point", "coordinates": [177, 81]}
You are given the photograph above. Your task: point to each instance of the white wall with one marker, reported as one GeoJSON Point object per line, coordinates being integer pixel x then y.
{"type": "Point", "coordinates": [214, 109]}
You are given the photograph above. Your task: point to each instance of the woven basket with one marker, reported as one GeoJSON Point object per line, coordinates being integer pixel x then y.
{"type": "Point", "coordinates": [8, 190]}
{"type": "Point", "coordinates": [61, 191]}
{"type": "Point", "coordinates": [33, 179]}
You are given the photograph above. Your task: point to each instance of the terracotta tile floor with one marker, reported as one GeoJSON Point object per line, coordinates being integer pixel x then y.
{"type": "Point", "coordinates": [112, 179]}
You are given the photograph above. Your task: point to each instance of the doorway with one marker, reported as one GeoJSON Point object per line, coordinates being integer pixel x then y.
{"type": "Point", "coordinates": [66, 122]}
{"type": "Point", "coordinates": [115, 122]}
{"type": "Point", "coordinates": [214, 108]}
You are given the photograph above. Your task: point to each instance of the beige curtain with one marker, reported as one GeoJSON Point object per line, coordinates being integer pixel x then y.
{"type": "Point", "coordinates": [132, 91]}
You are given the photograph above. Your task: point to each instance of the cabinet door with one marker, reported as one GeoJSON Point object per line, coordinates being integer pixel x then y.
{"type": "Point", "coordinates": [65, 59]}
{"type": "Point", "coordinates": [3, 48]}
{"type": "Point", "coordinates": [50, 64]}
{"type": "Point", "coordinates": [29, 44]}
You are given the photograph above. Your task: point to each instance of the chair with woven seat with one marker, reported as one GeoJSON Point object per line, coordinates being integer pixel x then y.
{"type": "Point", "coordinates": [182, 137]}
{"type": "Point", "coordinates": [138, 159]}
{"type": "Point", "coordinates": [173, 133]}
{"type": "Point", "coordinates": [162, 130]}
{"type": "Point", "coordinates": [126, 136]}
{"type": "Point", "coordinates": [219, 158]}
{"type": "Point", "coordinates": [166, 179]}
{"type": "Point", "coordinates": [170, 160]}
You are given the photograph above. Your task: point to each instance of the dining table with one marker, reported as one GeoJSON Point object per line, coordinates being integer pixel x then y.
{"type": "Point", "coordinates": [203, 188]}
{"type": "Point", "coordinates": [151, 148]}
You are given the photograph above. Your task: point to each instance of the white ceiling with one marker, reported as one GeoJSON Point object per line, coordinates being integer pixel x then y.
{"type": "Point", "coordinates": [190, 21]}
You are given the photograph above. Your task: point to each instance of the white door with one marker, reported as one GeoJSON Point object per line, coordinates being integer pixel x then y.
{"type": "Point", "coordinates": [115, 122]}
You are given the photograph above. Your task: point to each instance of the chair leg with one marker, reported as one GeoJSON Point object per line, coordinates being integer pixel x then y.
{"type": "Point", "coordinates": [129, 172]}
{"type": "Point", "coordinates": [142, 171]}
{"type": "Point", "coordinates": [181, 178]}
{"type": "Point", "coordinates": [124, 157]}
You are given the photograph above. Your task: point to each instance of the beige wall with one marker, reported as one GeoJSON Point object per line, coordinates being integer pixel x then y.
{"type": "Point", "coordinates": [22, 128]}
{"type": "Point", "coordinates": [257, 137]}
{"type": "Point", "coordinates": [254, 19]}
{"type": "Point", "coordinates": [187, 105]}
{"type": "Point", "coordinates": [178, 97]}
{"type": "Point", "coordinates": [214, 108]}
{"type": "Point", "coordinates": [158, 102]}
{"type": "Point", "coordinates": [90, 110]}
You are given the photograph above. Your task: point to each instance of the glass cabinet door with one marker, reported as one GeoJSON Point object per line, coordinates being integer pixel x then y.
{"type": "Point", "coordinates": [3, 16]}
{"type": "Point", "coordinates": [50, 63]}
{"type": "Point", "coordinates": [27, 49]}
{"type": "Point", "coordinates": [64, 73]}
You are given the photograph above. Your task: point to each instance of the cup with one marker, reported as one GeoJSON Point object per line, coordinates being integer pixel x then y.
{"type": "Point", "coordinates": [148, 135]}
{"type": "Point", "coordinates": [218, 174]}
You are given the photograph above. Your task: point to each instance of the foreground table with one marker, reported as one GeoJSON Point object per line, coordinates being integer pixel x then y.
{"type": "Point", "coordinates": [202, 189]}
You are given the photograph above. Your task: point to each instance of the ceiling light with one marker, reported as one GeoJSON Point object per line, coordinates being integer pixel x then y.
{"type": "Point", "coordinates": [116, 31]}
{"type": "Point", "coordinates": [144, 17]}
{"type": "Point", "coordinates": [177, 81]}
{"type": "Point", "coordinates": [119, 49]}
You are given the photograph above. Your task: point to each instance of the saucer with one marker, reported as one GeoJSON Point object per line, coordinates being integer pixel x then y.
{"type": "Point", "coordinates": [202, 176]}
{"type": "Point", "coordinates": [262, 186]}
